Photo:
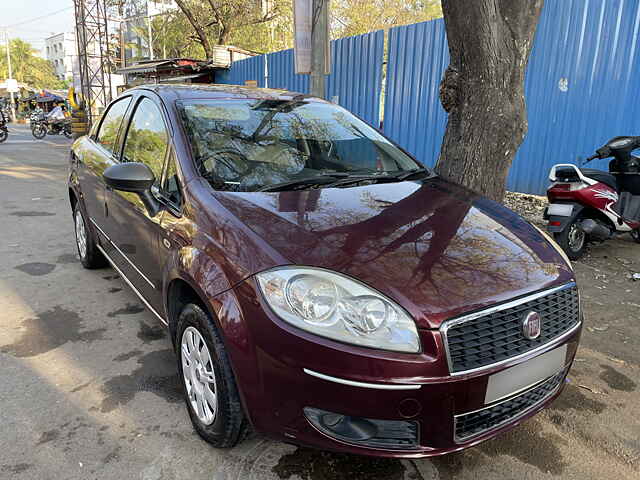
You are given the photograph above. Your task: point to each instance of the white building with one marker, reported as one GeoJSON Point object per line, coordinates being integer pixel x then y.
{"type": "Point", "coordinates": [60, 50]}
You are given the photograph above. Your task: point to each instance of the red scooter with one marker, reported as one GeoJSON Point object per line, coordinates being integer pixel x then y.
{"type": "Point", "coordinates": [587, 205]}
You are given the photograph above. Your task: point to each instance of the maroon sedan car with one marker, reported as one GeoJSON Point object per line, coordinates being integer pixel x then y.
{"type": "Point", "coordinates": [319, 285]}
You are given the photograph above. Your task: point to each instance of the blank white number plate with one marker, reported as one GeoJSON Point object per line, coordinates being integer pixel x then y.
{"type": "Point", "coordinates": [516, 379]}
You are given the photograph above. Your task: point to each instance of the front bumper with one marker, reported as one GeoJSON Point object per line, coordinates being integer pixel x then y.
{"type": "Point", "coordinates": [282, 371]}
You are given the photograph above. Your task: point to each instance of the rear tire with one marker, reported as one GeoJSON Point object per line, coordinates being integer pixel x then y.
{"type": "Point", "coordinates": [207, 377]}
{"type": "Point", "coordinates": [39, 131]}
{"type": "Point", "coordinates": [572, 239]}
{"type": "Point", "coordinates": [635, 234]}
{"type": "Point", "coordinates": [3, 136]}
{"type": "Point", "coordinates": [90, 257]}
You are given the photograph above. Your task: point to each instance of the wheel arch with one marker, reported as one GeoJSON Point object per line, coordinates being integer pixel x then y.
{"type": "Point", "coordinates": [179, 293]}
{"type": "Point", "coordinates": [73, 198]}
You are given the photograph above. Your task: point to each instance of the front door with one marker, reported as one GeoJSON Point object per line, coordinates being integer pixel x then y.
{"type": "Point", "coordinates": [98, 156]}
{"type": "Point", "coordinates": [134, 232]}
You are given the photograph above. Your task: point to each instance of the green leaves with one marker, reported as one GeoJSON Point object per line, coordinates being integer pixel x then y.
{"type": "Point", "coordinates": [28, 68]}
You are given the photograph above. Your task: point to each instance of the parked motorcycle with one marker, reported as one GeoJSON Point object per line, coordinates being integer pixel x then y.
{"type": "Point", "coordinates": [4, 131]}
{"type": "Point", "coordinates": [42, 127]}
{"type": "Point", "coordinates": [587, 205]}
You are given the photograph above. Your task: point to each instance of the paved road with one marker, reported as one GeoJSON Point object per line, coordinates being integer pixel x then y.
{"type": "Point", "coordinates": [88, 384]}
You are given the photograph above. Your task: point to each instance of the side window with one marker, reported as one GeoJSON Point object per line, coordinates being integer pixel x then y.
{"type": "Point", "coordinates": [110, 126]}
{"type": "Point", "coordinates": [147, 138]}
{"type": "Point", "coordinates": [170, 186]}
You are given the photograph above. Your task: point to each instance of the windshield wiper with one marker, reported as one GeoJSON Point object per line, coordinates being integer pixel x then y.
{"type": "Point", "coordinates": [323, 179]}
{"type": "Point", "coordinates": [380, 177]}
{"type": "Point", "coordinates": [410, 173]}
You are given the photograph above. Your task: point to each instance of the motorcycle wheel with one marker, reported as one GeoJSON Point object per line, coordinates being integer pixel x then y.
{"type": "Point", "coordinates": [67, 133]}
{"type": "Point", "coordinates": [39, 132]}
{"type": "Point", "coordinates": [635, 234]}
{"type": "Point", "coordinates": [3, 135]}
{"type": "Point", "coordinates": [572, 239]}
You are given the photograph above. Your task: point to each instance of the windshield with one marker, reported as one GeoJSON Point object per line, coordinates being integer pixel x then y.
{"type": "Point", "coordinates": [248, 145]}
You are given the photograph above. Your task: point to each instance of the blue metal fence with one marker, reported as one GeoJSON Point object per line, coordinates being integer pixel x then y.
{"type": "Point", "coordinates": [356, 74]}
{"type": "Point", "coordinates": [280, 72]}
{"type": "Point", "coordinates": [582, 86]}
{"type": "Point", "coordinates": [244, 70]}
{"type": "Point", "coordinates": [413, 116]}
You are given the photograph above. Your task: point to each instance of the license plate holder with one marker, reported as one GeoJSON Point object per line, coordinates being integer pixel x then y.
{"type": "Point", "coordinates": [519, 378]}
{"type": "Point", "coordinates": [560, 209]}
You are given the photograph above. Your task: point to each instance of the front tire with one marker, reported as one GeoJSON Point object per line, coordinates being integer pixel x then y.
{"type": "Point", "coordinates": [635, 234]}
{"type": "Point", "coordinates": [211, 393]}
{"type": "Point", "coordinates": [573, 239]}
{"type": "Point", "coordinates": [90, 256]}
{"type": "Point", "coordinates": [39, 131]}
{"type": "Point", "coordinates": [3, 135]}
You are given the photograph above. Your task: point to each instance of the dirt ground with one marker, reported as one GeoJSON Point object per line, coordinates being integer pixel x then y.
{"type": "Point", "coordinates": [89, 388]}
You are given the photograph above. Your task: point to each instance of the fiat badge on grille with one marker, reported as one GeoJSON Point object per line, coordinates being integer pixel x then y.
{"type": "Point", "coordinates": [531, 325]}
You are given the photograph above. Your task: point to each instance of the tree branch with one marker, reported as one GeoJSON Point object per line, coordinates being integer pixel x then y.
{"type": "Point", "coordinates": [202, 37]}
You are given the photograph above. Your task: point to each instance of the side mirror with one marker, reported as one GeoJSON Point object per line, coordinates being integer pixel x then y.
{"type": "Point", "coordinates": [136, 178]}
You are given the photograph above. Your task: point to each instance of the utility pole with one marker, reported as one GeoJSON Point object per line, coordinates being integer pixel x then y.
{"type": "Point", "coordinates": [13, 105]}
{"type": "Point", "coordinates": [319, 46]}
{"type": "Point", "coordinates": [149, 33]}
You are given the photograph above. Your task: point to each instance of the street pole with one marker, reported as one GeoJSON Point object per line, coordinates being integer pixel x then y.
{"type": "Point", "coordinates": [13, 106]}
{"type": "Point", "coordinates": [319, 46]}
{"type": "Point", "coordinates": [149, 32]}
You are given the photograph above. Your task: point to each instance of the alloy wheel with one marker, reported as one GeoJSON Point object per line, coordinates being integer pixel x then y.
{"type": "Point", "coordinates": [81, 235]}
{"type": "Point", "coordinates": [199, 376]}
{"type": "Point", "coordinates": [576, 237]}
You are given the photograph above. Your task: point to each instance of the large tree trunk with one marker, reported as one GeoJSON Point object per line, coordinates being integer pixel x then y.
{"type": "Point", "coordinates": [483, 89]}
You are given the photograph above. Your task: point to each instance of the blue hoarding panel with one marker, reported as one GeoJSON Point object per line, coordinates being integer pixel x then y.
{"type": "Point", "coordinates": [356, 74]}
{"type": "Point", "coordinates": [280, 70]}
{"type": "Point", "coordinates": [242, 70]}
{"type": "Point", "coordinates": [413, 117]}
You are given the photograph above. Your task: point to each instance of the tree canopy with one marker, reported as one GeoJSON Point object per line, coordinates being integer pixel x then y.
{"type": "Point", "coordinates": [197, 25]}
{"type": "Point", "coordinates": [27, 67]}
{"type": "Point", "coordinates": [355, 17]}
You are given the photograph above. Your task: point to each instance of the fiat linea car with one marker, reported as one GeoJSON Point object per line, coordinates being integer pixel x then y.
{"type": "Point", "coordinates": [319, 285]}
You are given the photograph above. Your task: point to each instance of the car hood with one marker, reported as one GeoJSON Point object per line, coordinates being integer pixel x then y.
{"type": "Point", "coordinates": [434, 247]}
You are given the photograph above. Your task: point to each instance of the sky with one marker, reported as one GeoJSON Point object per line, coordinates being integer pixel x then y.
{"type": "Point", "coordinates": [37, 29]}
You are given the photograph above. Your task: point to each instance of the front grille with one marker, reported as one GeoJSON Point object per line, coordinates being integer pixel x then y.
{"type": "Point", "coordinates": [487, 339]}
{"type": "Point", "coordinates": [469, 425]}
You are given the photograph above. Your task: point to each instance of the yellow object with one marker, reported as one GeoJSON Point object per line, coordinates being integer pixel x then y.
{"type": "Point", "coordinates": [71, 96]}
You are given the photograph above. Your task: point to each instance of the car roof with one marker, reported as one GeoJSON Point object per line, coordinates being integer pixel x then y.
{"type": "Point", "coordinates": [209, 91]}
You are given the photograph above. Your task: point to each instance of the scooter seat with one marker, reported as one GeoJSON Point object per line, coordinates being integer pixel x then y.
{"type": "Point", "coordinates": [601, 176]}
{"type": "Point", "coordinates": [628, 207]}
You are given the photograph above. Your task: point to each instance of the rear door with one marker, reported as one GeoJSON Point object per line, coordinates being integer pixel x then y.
{"type": "Point", "coordinates": [134, 233]}
{"type": "Point", "coordinates": [100, 153]}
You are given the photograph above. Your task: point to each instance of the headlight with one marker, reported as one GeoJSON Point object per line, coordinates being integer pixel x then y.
{"type": "Point", "coordinates": [554, 245]}
{"type": "Point", "coordinates": [337, 307]}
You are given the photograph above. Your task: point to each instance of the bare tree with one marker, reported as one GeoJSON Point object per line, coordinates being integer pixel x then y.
{"type": "Point", "coordinates": [483, 89]}
{"type": "Point", "coordinates": [214, 21]}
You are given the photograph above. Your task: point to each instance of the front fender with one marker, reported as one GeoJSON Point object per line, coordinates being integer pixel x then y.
{"type": "Point", "coordinates": [205, 277]}
{"type": "Point", "coordinates": [558, 223]}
